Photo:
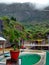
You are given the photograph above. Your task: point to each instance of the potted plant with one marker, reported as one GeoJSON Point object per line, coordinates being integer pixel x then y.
{"type": "Point", "coordinates": [15, 43]}
{"type": "Point", "coordinates": [15, 52]}
{"type": "Point", "coordinates": [13, 36]}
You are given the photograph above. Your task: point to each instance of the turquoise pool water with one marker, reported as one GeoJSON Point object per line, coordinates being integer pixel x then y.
{"type": "Point", "coordinates": [29, 59]}
{"type": "Point", "coordinates": [47, 57]}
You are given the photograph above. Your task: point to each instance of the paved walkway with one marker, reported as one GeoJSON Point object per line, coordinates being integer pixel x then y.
{"type": "Point", "coordinates": [2, 58]}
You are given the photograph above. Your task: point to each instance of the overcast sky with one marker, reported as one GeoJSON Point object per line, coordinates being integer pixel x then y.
{"type": "Point", "coordinates": [38, 3]}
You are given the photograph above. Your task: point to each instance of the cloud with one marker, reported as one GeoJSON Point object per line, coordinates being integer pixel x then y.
{"type": "Point", "coordinates": [39, 4]}
{"type": "Point", "coordinates": [42, 4]}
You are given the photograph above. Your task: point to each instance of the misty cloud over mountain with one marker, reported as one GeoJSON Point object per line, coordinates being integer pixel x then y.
{"type": "Point", "coordinates": [24, 11]}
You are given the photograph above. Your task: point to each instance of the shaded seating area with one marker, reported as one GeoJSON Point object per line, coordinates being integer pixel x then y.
{"type": "Point", "coordinates": [36, 47]}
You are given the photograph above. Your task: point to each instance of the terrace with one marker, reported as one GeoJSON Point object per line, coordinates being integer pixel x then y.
{"type": "Point", "coordinates": [40, 56]}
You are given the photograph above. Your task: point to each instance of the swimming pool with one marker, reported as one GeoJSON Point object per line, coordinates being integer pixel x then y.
{"type": "Point", "coordinates": [47, 57]}
{"type": "Point", "coordinates": [29, 59]}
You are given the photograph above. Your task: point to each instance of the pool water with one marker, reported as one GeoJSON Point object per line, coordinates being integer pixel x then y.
{"type": "Point", "coordinates": [29, 59]}
{"type": "Point", "coordinates": [47, 57]}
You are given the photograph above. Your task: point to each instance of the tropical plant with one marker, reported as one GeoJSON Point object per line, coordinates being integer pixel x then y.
{"type": "Point", "coordinates": [11, 33]}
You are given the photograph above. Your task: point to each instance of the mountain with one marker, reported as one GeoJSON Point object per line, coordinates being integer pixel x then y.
{"type": "Point", "coordinates": [25, 12]}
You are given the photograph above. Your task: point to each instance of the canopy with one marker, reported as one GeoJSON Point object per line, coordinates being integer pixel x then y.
{"type": "Point", "coordinates": [2, 39]}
